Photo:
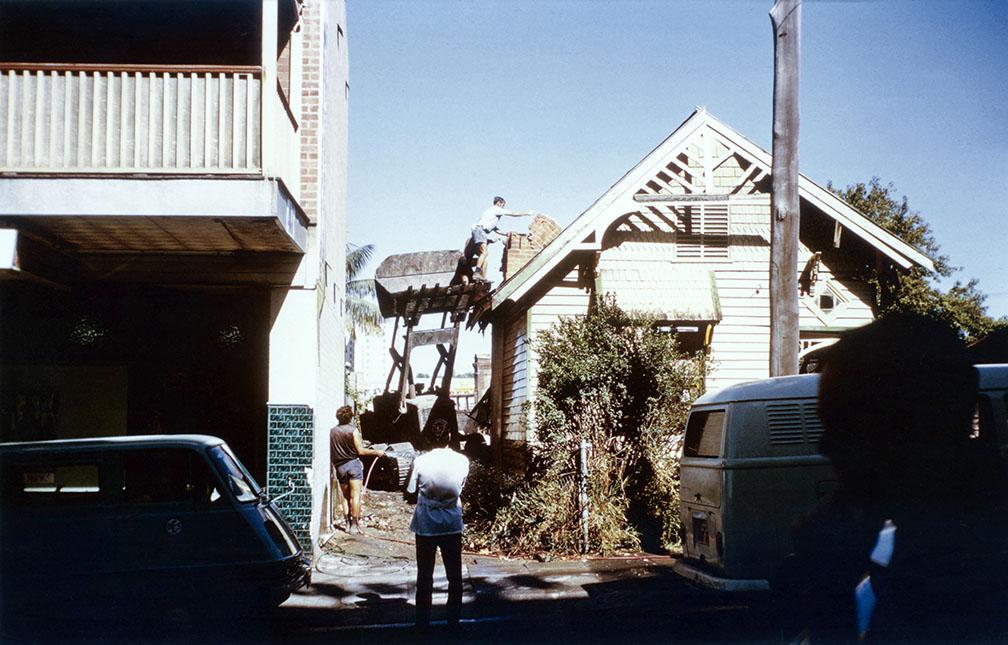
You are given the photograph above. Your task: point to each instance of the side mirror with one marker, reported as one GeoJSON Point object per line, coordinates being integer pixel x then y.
{"type": "Point", "coordinates": [290, 484]}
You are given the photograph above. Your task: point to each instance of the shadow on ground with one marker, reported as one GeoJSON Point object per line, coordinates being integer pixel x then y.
{"type": "Point", "coordinates": [614, 602]}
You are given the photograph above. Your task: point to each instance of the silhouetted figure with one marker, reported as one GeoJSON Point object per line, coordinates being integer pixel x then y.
{"type": "Point", "coordinates": [913, 545]}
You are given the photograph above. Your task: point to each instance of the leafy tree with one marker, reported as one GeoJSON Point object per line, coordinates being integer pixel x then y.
{"type": "Point", "coordinates": [612, 379]}
{"type": "Point", "coordinates": [361, 306]}
{"type": "Point", "coordinates": [961, 306]}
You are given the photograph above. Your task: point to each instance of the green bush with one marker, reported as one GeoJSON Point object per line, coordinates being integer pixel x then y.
{"type": "Point", "coordinates": [613, 379]}
{"type": "Point", "coordinates": [487, 489]}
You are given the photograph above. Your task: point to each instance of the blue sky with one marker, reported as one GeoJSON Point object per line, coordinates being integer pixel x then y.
{"type": "Point", "coordinates": [549, 102]}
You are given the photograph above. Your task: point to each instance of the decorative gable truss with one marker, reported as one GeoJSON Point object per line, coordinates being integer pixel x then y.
{"type": "Point", "coordinates": [685, 193]}
{"type": "Point", "coordinates": [686, 202]}
{"type": "Point", "coordinates": [707, 164]}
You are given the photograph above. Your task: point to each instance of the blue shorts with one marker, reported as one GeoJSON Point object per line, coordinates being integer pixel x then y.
{"type": "Point", "coordinates": [353, 469]}
{"type": "Point", "coordinates": [479, 236]}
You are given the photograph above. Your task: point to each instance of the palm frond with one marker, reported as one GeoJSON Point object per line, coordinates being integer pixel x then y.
{"type": "Point", "coordinates": [363, 314]}
{"type": "Point", "coordinates": [360, 305]}
{"type": "Point", "coordinates": [357, 257]}
{"type": "Point", "coordinates": [363, 288]}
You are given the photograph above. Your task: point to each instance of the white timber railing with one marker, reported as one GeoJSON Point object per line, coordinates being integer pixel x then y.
{"type": "Point", "coordinates": [152, 119]}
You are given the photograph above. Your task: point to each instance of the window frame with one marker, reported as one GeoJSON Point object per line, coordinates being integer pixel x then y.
{"type": "Point", "coordinates": [188, 502]}
{"type": "Point", "coordinates": [18, 465]}
{"type": "Point", "coordinates": [695, 449]}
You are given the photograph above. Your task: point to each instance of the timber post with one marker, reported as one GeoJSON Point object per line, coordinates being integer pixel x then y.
{"type": "Point", "coordinates": [784, 201]}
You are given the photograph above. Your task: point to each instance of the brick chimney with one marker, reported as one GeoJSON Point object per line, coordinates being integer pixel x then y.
{"type": "Point", "coordinates": [522, 247]}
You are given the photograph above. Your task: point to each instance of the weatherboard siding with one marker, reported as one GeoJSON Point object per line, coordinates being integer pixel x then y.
{"type": "Point", "coordinates": [559, 303]}
{"type": "Point", "coordinates": [514, 392]}
{"type": "Point", "coordinates": [642, 235]}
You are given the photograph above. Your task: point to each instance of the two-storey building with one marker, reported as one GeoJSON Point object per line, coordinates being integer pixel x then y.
{"type": "Point", "coordinates": [171, 253]}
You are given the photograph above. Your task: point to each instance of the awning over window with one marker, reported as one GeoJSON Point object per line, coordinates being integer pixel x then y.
{"type": "Point", "coordinates": [672, 292]}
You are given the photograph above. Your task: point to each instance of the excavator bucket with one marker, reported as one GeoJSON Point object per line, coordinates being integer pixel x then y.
{"type": "Point", "coordinates": [400, 278]}
{"type": "Point", "coordinates": [408, 286]}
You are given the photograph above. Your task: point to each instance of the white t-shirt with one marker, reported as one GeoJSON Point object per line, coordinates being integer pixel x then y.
{"type": "Point", "coordinates": [490, 218]}
{"type": "Point", "coordinates": [437, 478]}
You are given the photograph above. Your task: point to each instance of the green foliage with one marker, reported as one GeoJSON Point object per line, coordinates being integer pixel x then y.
{"type": "Point", "coordinates": [361, 306]}
{"type": "Point", "coordinates": [358, 399]}
{"type": "Point", "coordinates": [615, 381]}
{"type": "Point", "coordinates": [487, 489]}
{"type": "Point", "coordinates": [961, 306]}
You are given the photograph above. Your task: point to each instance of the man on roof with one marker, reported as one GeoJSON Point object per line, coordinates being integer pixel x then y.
{"type": "Point", "coordinates": [489, 223]}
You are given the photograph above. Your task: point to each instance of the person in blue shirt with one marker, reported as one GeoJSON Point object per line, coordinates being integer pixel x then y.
{"type": "Point", "coordinates": [437, 480]}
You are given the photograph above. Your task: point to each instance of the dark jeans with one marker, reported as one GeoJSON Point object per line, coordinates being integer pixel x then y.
{"type": "Point", "coordinates": [451, 555]}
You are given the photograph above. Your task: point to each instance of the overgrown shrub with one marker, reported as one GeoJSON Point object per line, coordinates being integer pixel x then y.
{"type": "Point", "coordinates": [613, 379]}
{"type": "Point", "coordinates": [487, 489]}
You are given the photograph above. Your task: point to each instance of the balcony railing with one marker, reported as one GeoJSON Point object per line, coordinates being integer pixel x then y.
{"type": "Point", "coordinates": [152, 119]}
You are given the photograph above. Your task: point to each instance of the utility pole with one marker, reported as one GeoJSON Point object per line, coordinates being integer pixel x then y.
{"type": "Point", "coordinates": [784, 203]}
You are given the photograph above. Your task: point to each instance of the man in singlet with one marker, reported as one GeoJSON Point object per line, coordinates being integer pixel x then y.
{"type": "Point", "coordinates": [345, 450]}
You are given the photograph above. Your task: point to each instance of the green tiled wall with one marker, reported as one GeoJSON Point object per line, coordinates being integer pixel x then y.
{"type": "Point", "coordinates": [289, 453]}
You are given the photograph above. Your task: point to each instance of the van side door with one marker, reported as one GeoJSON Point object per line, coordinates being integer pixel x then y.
{"type": "Point", "coordinates": [160, 494]}
{"type": "Point", "coordinates": [56, 529]}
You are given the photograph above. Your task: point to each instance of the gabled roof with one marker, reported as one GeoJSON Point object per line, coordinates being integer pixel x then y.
{"type": "Point", "coordinates": [578, 235]}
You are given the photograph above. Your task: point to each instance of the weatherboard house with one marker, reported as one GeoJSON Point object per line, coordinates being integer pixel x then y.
{"type": "Point", "coordinates": [685, 236]}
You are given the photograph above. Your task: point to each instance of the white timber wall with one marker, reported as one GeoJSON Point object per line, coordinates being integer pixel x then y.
{"type": "Point", "coordinates": [741, 341]}
{"type": "Point", "coordinates": [560, 302]}
{"type": "Point", "coordinates": [514, 392]}
{"type": "Point", "coordinates": [740, 345]}
{"type": "Point", "coordinates": [521, 362]}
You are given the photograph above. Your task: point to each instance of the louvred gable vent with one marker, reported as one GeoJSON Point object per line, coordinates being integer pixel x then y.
{"type": "Point", "coordinates": [703, 232]}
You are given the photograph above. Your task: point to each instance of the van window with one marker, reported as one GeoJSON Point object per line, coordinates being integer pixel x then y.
{"type": "Point", "coordinates": [703, 434]}
{"type": "Point", "coordinates": [50, 483]}
{"type": "Point", "coordinates": [242, 485]}
{"type": "Point", "coordinates": [167, 475]}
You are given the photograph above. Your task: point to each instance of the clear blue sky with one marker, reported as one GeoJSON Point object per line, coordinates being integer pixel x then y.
{"type": "Point", "coordinates": [549, 102]}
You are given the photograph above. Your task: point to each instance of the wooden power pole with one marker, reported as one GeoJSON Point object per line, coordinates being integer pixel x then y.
{"type": "Point", "coordinates": [784, 203]}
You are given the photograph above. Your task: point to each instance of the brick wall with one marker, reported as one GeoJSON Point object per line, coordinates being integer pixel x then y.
{"type": "Point", "coordinates": [522, 247]}
{"type": "Point", "coordinates": [311, 59]}
{"type": "Point", "coordinates": [289, 452]}
{"type": "Point", "coordinates": [542, 230]}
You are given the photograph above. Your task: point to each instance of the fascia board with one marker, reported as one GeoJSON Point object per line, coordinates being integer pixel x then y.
{"type": "Point", "coordinates": [902, 253]}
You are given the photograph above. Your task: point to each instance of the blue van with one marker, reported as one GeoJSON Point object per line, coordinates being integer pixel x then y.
{"type": "Point", "coordinates": [150, 519]}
